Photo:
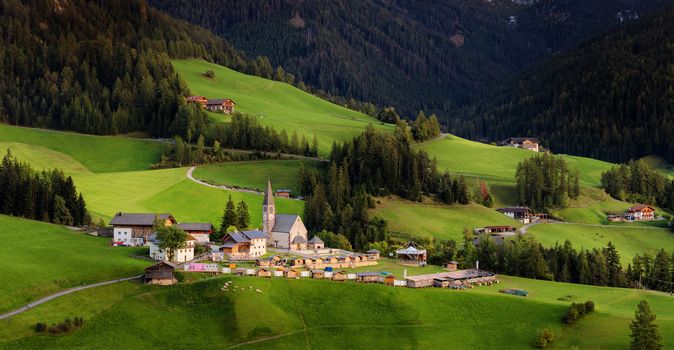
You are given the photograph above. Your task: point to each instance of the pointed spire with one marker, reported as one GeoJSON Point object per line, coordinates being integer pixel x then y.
{"type": "Point", "coordinates": [268, 195]}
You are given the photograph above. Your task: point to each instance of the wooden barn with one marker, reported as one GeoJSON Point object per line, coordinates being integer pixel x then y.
{"type": "Point", "coordinates": [199, 100]}
{"type": "Point", "coordinates": [162, 273]}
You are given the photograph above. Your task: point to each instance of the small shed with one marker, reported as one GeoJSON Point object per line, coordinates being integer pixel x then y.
{"type": "Point", "coordinates": [452, 265]}
{"type": "Point", "coordinates": [292, 273]}
{"type": "Point", "coordinates": [373, 254]}
{"type": "Point", "coordinates": [339, 276]}
{"type": "Point", "coordinates": [162, 273]}
{"type": "Point", "coordinates": [367, 277]}
{"type": "Point", "coordinates": [389, 280]}
{"type": "Point", "coordinates": [240, 271]}
{"type": "Point", "coordinates": [278, 273]}
{"type": "Point", "coordinates": [296, 262]}
{"type": "Point", "coordinates": [305, 273]}
{"type": "Point", "coordinates": [317, 274]}
{"type": "Point", "coordinates": [263, 272]}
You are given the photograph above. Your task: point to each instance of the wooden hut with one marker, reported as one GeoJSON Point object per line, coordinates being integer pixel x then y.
{"type": "Point", "coordinates": [367, 277]}
{"type": "Point", "coordinates": [317, 274]}
{"type": "Point", "coordinates": [263, 272]}
{"type": "Point", "coordinates": [292, 273]}
{"type": "Point", "coordinates": [452, 265]}
{"type": "Point", "coordinates": [373, 254]}
{"type": "Point", "coordinates": [240, 271]}
{"type": "Point", "coordinates": [162, 273]}
{"type": "Point", "coordinates": [389, 280]}
{"type": "Point", "coordinates": [296, 262]}
{"type": "Point", "coordinates": [339, 276]}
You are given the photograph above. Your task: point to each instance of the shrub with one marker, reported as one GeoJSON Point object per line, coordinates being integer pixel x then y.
{"type": "Point", "coordinates": [180, 277]}
{"type": "Point", "coordinates": [209, 73]}
{"type": "Point", "coordinates": [589, 306]}
{"type": "Point", "coordinates": [544, 338]}
{"type": "Point", "coordinates": [41, 327]}
{"type": "Point", "coordinates": [580, 308]}
{"type": "Point", "coordinates": [64, 327]}
{"type": "Point", "coordinates": [571, 315]}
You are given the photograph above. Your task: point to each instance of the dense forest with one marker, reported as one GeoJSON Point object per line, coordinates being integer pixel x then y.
{"type": "Point", "coordinates": [39, 195]}
{"type": "Point", "coordinates": [101, 67]}
{"type": "Point", "coordinates": [545, 182]}
{"type": "Point", "coordinates": [414, 55]}
{"type": "Point", "coordinates": [611, 99]}
{"type": "Point", "coordinates": [637, 182]}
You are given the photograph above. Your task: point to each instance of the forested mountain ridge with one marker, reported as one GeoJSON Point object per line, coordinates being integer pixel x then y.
{"type": "Point", "coordinates": [99, 67]}
{"type": "Point", "coordinates": [612, 99]}
{"type": "Point", "coordinates": [411, 54]}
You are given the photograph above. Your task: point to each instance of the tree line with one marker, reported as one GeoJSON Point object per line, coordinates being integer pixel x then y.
{"type": "Point", "coordinates": [638, 182]}
{"type": "Point", "coordinates": [40, 195]}
{"type": "Point", "coordinates": [545, 182]}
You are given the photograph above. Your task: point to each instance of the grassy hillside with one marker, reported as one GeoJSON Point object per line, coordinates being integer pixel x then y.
{"type": "Point", "coordinates": [40, 258]}
{"type": "Point", "coordinates": [287, 314]}
{"type": "Point", "coordinates": [443, 222]}
{"type": "Point", "coordinates": [101, 154]}
{"type": "Point", "coordinates": [254, 175]}
{"type": "Point", "coordinates": [276, 104]}
{"type": "Point", "coordinates": [629, 240]}
{"type": "Point", "coordinates": [471, 158]}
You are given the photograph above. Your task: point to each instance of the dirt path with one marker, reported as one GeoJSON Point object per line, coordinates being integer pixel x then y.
{"type": "Point", "coordinates": [62, 293]}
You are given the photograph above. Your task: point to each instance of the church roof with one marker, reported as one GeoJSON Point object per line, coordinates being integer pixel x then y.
{"type": "Point", "coordinates": [268, 195]}
{"type": "Point", "coordinates": [284, 222]}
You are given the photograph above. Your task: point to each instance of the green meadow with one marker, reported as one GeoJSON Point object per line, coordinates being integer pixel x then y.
{"type": "Point", "coordinates": [461, 156]}
{"type": "Point", "coordinates": [629, 240]}
{"type": "Point", "coordinates": [276, 104]}
{"type": "Point", "coordinates": [288, 314]}
{"type": "Point", "coordinates": [437, 221]}
{"type": "Point", "coordinates": [101, 154]}
{"type": "Point", "coordinates": [254, 175]}
{"type": "Point", "coordinates": [40, 258]}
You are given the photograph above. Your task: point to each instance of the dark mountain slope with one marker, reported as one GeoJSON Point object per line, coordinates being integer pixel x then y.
{"type": "Point", "coordinates": [612, 98]}
{"type": "Point", "coordinates": [413, 54]}
{"type": "Point", "coordinates": [98, 66]}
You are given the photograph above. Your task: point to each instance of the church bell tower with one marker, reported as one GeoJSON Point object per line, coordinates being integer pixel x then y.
{"type": "Point", "coordinates": [268, 210]}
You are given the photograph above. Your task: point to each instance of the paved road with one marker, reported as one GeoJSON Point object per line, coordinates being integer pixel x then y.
{"type": "Point", "coordinates": [62, 293]}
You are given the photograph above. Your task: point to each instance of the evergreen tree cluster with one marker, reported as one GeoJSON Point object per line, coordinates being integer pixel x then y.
{"type": "Point", "coordinates": [39, 195]}
{"type": "Point", "coordinates": [545, 182]}
{"type": "Point", "coordinates": [653, 272]}
{"type": "Point", "coordinates": [611, 99]}
{"type": "Point", "coordinates": [236, 216]}
{"type": "Point", "coordinates": [102, 67]}
{"type": "Point", "coordinates": [638, 182]}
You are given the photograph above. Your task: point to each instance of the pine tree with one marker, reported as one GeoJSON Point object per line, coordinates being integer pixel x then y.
{"type": "Point", "coordinates": [645, 334]}
{"type": "Point", "coordinates": [242, 215]}
{"type": "Point", "coordinates": [229, 217]}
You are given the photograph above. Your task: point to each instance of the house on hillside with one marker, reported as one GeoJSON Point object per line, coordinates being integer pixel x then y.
{"type": "Point", "coordinates": [200, 100]}
{"type": "Point", "coordinates": [222, 105]}
{"type": "Point", "coordinates": [134, 228]}
{"type": "Point", "coordinates": [640, 212]}
{"type": "Point", "coordinates": [284, 231]}
{"type": "Point", "coordinates": [180, 255]}
{"type": "Point", "coordinates": [283, 193]}
{"type": "Point", "coordinates": [199, 230]}
{"type": "Point", "coordinates": [245, 244]}
{"type": "Point", "coordinates": [528, 143]}
{"type": "Point", "coordinates": [162, 273]}
{"type": "Point", "coordinates": [521, 214]}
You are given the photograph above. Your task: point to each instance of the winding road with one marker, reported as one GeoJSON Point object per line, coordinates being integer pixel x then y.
{"type": "Point", "coordinates": [62, 293]}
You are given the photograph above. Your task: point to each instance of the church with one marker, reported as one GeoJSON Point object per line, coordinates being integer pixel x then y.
{"type": "Point", "coordinates": [284, 231]}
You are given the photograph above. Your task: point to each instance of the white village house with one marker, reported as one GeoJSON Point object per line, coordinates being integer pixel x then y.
{"type": "Point", "coordinates": [134, 228]}
{"type": "Point", "coordinates": [181, 255]}
{"type": "Point", "coordinates": [245, 244]}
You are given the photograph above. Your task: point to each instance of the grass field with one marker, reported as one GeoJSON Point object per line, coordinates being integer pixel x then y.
{"type": "Point", "coordinates": [254, 175]}
{"type": "Point", "coordinates": [288, 315]}
{"type": "Point", "coordinates": [443, 222]}
{"type": "Point", "coordinates": [100, 154]}
{"type": "Point", "coordinates": [471, 158]}
{"type": "Point", "coordinates": [40, 258]}
{"type": "Point", "coordinates": [276, 104]}
{"type": "Point", "coordinates": [629, 240]}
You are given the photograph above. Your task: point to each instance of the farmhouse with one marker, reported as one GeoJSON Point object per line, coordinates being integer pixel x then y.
{"type": "Point", "coordinates": [283, 193]}
{"type": "Point", "coordinates": [183, 254]}
{"type": "Point", "coordinates": [161, 274]}
{"type": "Point", "coordinates": [200, 100]}
{"type": "Point", "coordinates": [494, 229]}
{"type": "Point", "coordinates": [445, 279]}
{"type": "Point", "coordinates": [245, 244]}
{"type": "Point", "coordinates": [411, 254]}
{"type": "Point", "coordinates": [284, 231]}
{"type": "Point", "coordinates": [222, 105]}
{"type": "Point", "coordinates": [199, 230]}
{"type": "Point", "coordinates": [521, 214]}
{"type": "Point", "coordinates": [134, 228]}
{"type": "Point", "coordinates": [528, 143]}
{"type": "Point", "coordinates": [640, 212]}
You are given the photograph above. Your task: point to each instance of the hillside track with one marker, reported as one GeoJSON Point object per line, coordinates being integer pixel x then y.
{"type": "Point", "coordinates": [62, 293]}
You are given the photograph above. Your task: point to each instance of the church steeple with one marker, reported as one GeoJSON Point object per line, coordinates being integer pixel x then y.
{"type": "Point", "coordinates": [268, 210]}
